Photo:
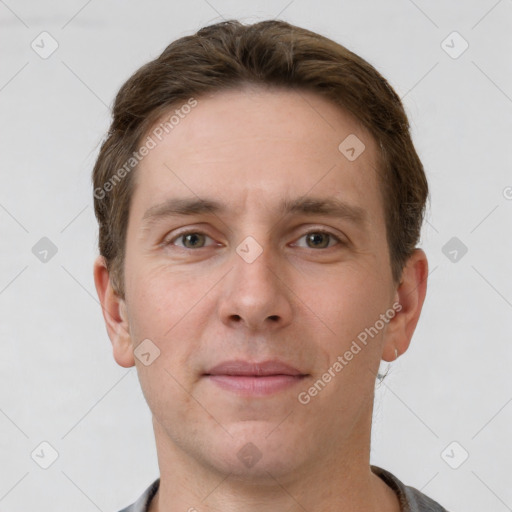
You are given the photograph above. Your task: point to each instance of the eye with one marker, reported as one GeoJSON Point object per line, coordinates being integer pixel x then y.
{"type": "Point", "coordinates": [318, 239]}
{"type": "Point", "coordinates": [191, 240]}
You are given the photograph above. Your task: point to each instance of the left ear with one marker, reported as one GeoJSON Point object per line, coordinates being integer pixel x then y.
{"type": "Point", "coordinates": [410, 295]}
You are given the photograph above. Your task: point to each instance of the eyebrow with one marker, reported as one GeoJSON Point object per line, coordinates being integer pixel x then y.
{"type": "Point", "coordinates": [328, 206]}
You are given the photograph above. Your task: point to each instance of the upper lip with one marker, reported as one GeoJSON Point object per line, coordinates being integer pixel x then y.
{"type": "Point", "coordinates": [239, 367]}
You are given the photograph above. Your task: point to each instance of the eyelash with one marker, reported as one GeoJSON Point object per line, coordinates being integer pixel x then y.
{"type": "Point", "coordinates": [197, 232]}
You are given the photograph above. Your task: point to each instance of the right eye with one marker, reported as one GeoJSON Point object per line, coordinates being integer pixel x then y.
{"type": "Point", "coordinates": [194, 239]}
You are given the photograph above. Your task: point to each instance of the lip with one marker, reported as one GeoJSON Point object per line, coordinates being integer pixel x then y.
{"type": "Point", "coordinates": [254, 369]}
{"type": "Point", "coordinates": [252, 378]}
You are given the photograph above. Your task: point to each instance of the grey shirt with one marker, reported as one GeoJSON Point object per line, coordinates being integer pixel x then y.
{"type": "Point", "coordinates": [411, 500]}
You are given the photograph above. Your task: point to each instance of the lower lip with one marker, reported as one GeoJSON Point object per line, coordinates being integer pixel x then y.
{"type": "Point", "coordinates": [247, 385]}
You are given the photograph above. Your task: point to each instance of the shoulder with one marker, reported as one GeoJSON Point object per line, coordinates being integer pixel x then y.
{"type": "Point", "coordinates": [141, 505]}
{"type": "Point", "coordinates": [411, 500]}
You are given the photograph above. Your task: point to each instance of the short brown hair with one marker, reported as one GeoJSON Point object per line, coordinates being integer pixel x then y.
{"type": "Point", "coordinates": [228, 55]}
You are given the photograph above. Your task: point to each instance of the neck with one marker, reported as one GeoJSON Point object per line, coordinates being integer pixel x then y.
{"type": "Point", "coordinates": [341, 482]}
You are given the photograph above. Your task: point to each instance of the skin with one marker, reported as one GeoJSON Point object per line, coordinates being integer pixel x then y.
{"type": "Point", "coordinates": [201, 303]}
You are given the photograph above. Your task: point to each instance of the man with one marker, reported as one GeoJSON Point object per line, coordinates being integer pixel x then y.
{"type": "Point", "coordinates": [259, 200]}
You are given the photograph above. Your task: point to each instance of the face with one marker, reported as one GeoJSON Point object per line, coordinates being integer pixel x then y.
{"type": "Point", "coordinates": [290, 264]}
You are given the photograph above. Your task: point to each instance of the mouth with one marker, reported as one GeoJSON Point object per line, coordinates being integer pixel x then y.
{"type": "Point", "coordinates": [251, 378]}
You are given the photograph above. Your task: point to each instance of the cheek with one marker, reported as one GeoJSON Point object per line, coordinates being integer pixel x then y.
{"type": "Point", "coordinates": [169, 307]}
{"type": "Point", "coordinates": [159, 298]}
{"type": "Point", "coordinates": [167, 394]}
{"type": "Point", "coordinates": [349, 302]}
{"type": "Point", "coordinates": [162, 309]}
{"type": "Point", "coordinates": [351, 312]}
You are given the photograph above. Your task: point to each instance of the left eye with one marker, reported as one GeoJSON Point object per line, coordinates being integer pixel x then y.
{"type": "Point", "coordinates": [318, 239]}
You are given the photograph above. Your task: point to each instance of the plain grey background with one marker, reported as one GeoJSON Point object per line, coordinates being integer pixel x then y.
{"type": "Point", "coordinates": [60, 384]}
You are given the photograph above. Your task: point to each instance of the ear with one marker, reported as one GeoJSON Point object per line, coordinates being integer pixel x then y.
{"type": "Point", "coordinates": [410, 295]}
{"type": "Point", "coordinates": [115, 315]}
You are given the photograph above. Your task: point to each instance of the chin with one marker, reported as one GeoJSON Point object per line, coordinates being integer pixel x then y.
{"type": "Point", "coordinates": [257, 452]}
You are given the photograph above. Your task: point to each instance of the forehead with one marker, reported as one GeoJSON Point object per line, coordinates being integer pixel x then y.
{"type": "Point", "coordinates": [259, 146]}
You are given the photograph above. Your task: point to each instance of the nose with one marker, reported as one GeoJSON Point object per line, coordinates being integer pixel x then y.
{"type": "Point", "coordinates": [255, 293]}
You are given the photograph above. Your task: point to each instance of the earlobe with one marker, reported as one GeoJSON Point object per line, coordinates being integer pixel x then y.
{"type": "Point", "coordinates": [410, 295]}
{"type": "Point", "coordinates": [114, 314]}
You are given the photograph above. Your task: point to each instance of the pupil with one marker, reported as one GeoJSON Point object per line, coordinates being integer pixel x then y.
{"type": "Point", "coordinates": [314, 238]}
{"type": "Point", "coordinates": [189, 237]}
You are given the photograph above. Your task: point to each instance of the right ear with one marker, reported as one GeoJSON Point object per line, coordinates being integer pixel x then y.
{"type": "Point", "coordinates": [114, 314]}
